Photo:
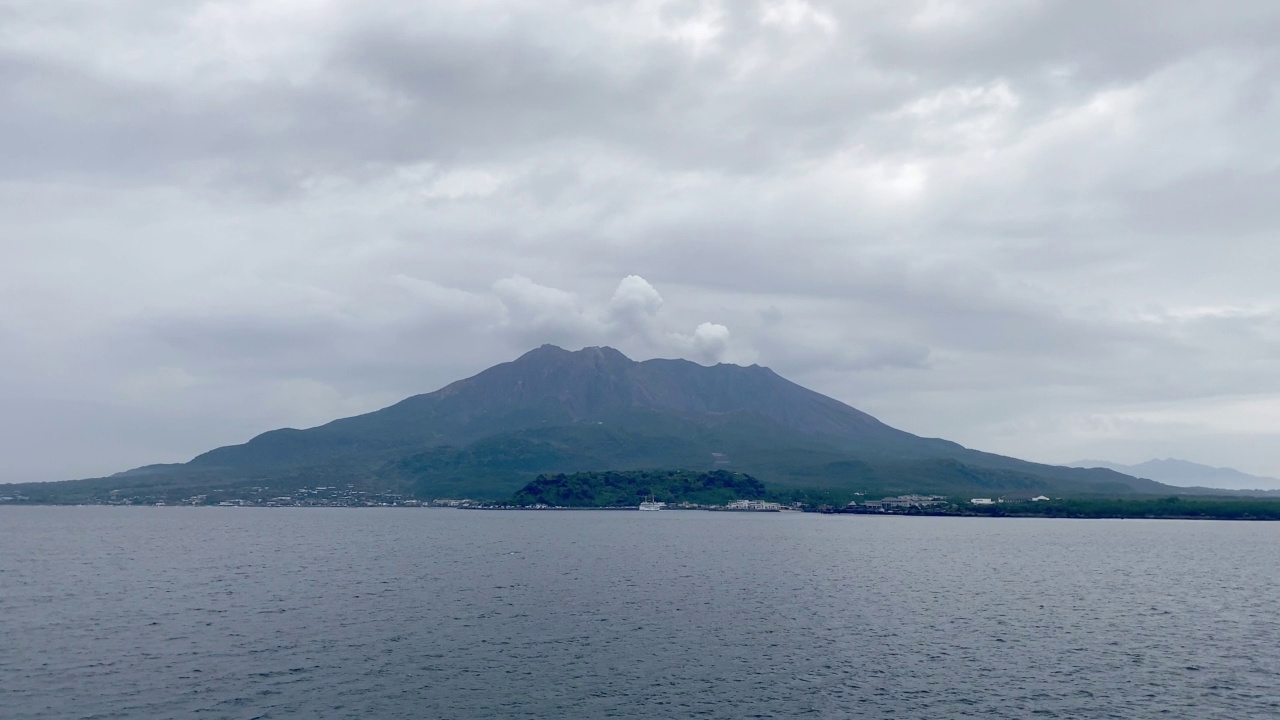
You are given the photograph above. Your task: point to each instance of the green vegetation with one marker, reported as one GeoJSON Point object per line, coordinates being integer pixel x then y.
{"type": "Point", "coordinates": [617, 489]}
{"type": "Point", "coordinates": [1217, 508]}
{"type": "Point", "coordinates": [607, 489]}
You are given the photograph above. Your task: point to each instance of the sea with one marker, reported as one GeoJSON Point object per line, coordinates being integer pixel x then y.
{"type": "Point", "coordinates": [239, 613]}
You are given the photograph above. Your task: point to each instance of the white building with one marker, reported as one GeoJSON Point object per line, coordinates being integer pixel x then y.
{"type": "Point", "coordinates": [758, 505]}
{"type": "Point", "coordinates": [903, 502]}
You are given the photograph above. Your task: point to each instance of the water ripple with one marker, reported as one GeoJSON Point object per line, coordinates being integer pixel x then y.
{"type": "Point", "coordinates": [169, 612]}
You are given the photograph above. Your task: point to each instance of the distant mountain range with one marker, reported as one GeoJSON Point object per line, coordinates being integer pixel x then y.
{"type": "Point", "coordinates": [556, 411]}
{"type": "Point", "coordinates": [1182, 473]}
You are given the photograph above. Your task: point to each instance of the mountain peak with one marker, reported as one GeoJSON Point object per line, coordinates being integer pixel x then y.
{"type": "Point", "coordinates": [1184, 473]}
{"type": "Point", "coordinates": [547, 350]}
{"type": "Point", "coordinates": [558, 410]}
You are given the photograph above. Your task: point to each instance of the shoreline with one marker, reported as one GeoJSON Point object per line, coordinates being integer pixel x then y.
{"type": "Point", "coordinates": [513, 508]}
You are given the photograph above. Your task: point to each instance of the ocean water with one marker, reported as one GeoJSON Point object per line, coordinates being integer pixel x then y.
{"type": "Point", "coordinates": [415, 613]}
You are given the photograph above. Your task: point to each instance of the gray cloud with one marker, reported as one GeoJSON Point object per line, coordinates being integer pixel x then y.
{"type": "Point", "coordinates": [632, 320]}
{"type": "Point", "coordinates": [1038, 228]}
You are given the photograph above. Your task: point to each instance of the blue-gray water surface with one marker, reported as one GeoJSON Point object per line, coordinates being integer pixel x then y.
{"type": "Point", "coordinates": [415, 613]}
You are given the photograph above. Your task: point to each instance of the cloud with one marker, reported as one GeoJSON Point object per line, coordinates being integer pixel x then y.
{"type": "Point", "coordinates": [709, 342]}
{"type": "Point", "coordinates": [633, 317]}
{"type": "Point", "coordinates": [631, 320]}
{"type": "Point", "coordinates": [977, 220]}
{"type": "Point", "coordinates": [635, 303]}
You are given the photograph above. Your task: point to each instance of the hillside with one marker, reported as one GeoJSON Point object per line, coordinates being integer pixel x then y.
{"type": "Point", "coordinates": [554, 411]}
{"type": "Point", "coordinates": [1183, 473]}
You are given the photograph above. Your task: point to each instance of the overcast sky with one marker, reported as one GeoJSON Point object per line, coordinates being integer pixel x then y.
{"type": "Point", "coordinates": [1045, 229]}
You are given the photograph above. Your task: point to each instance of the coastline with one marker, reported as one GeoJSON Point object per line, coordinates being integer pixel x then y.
{"type": "Point", "coordinates": [1014, 514]}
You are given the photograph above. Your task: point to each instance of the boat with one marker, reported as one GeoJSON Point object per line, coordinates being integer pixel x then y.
{"type": "Point", "coordinates": [650, 505]}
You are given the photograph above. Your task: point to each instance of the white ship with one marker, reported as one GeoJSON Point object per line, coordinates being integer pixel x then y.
{"type": "Point", "coordinates": [651, 505]}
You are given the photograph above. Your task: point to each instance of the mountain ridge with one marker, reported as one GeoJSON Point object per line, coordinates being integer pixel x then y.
{"type": "Point", "coordinates": [537, 389]}
{"type": "Point", "coordinates": [553, 410]}
{"type": "Point", "coordinates": [1184, 473]}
